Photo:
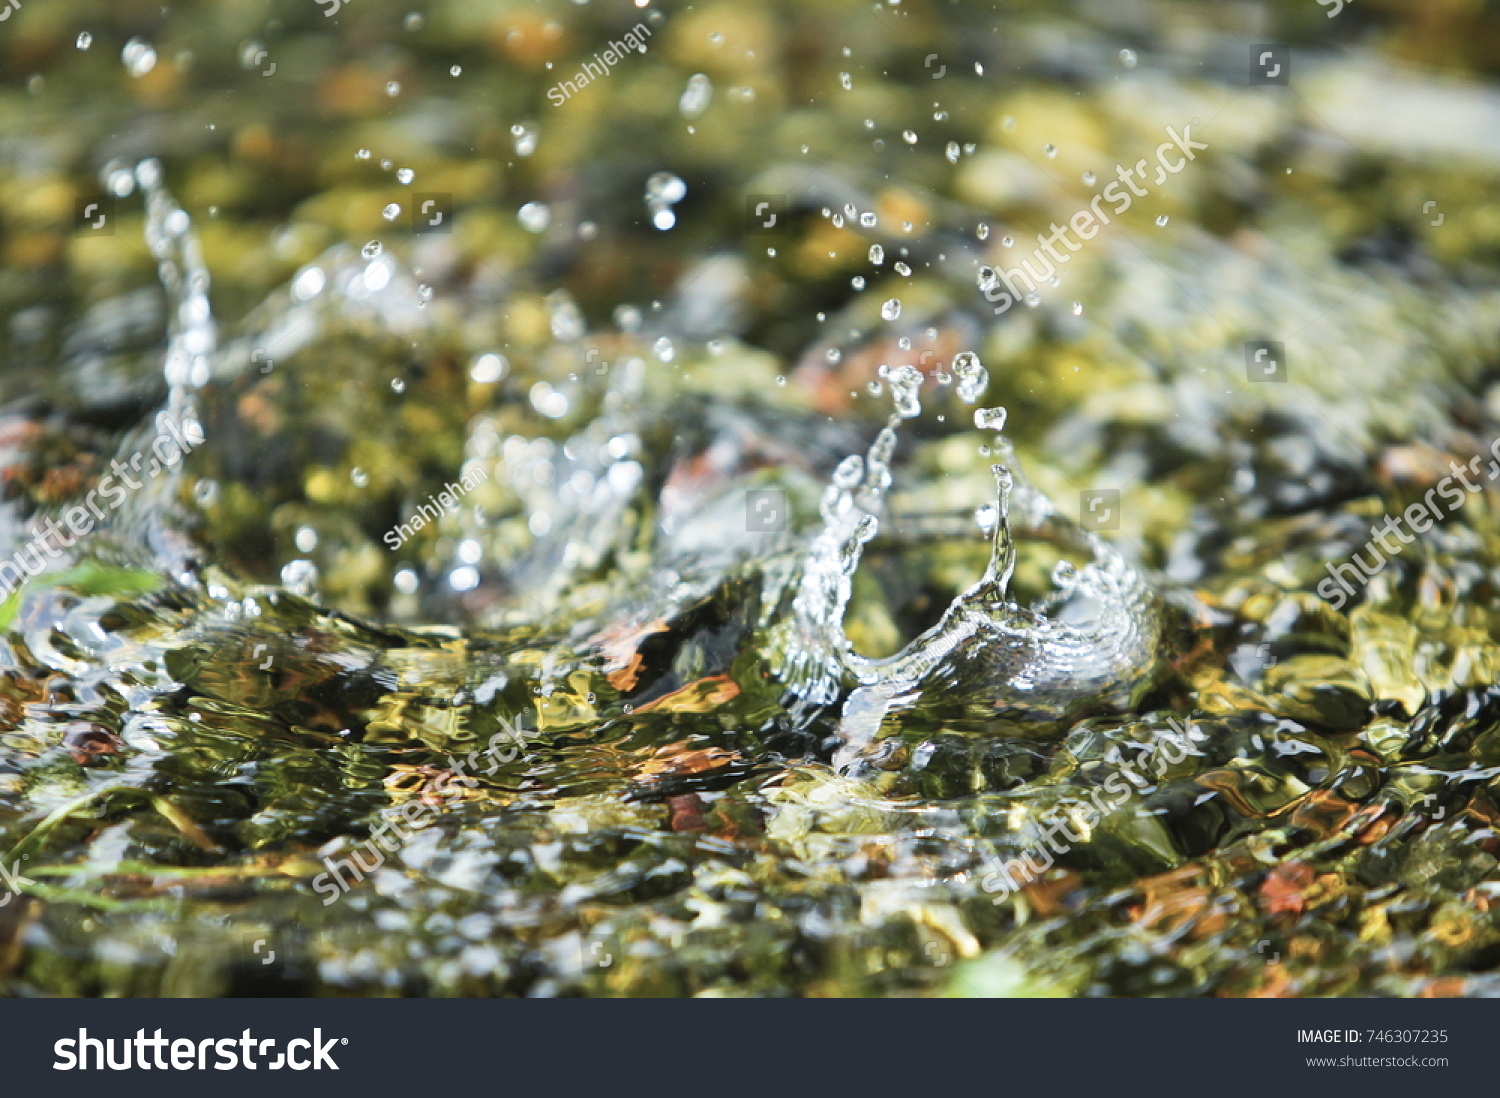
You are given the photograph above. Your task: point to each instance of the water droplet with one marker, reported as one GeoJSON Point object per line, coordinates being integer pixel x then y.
{"type": "Point", "coordinates": [1127, 58]}
{"type": "Point", "coordinates": [909, 137]}
{"type": "Point", "coordinates": [405, 176]}
{"type": "Point", "coordinates": [397, 385]}
{"type": "Point", "coordinates": [1050, 150]}
{"type": "Point", "coordinates": [696, 96]}
{"type": "Point", "coordinates": [524, 137]}
{"type": "Point", "coordinates": [973, 379]}
{"type": "Point", "coordinates": [488, 369]}
{"type": "Point", "coordinates": [371, 249]}
{"type": "Point", "coordinates": [1033, 300]}
{"type": "Point", "coordinates": [1162, 220]}
{"type": "Point", "coordinates": [664, 350]}
{"type": "Point", "coordinates": [534, 217]}
{"type": "Point", "coordinates": [902, 269]}
{"type": "Point", "coordinates": [393, 88]}
{"type": "Point", "coordinates": [84, 40]}
{"type": "Point", "coordinates": [867, 219]}
{"type": "Point", "coordinates": [359, 477]}
{"type": "Point", "coordinates": [1007, 242]}
{"type": "Point", "coordinates": [139, 57]}
{"type": "Point", "coordinates": [906, 383]}
{"type": "Point", "coordinates": [300, 577]}
{"type": "Point", "coordinates": [1077, 308]}
{"type": "Point", "coordinates": [391, 212]}
{"type": "Point", "coordinates": [982, 231]}
{"type": "Point", "coordinates": [363, 154]}
{"type": "Point", "coordinates": [667, 187]}
{"type": "Point", "coordinates": [858, 282]}
{"type": "Point", "coordinates": [627, 318]}
{"type": "Point", "coordinates": [414, 21]}
{"type": "Point", "coordinates": [456, 70]}
{"type": "Point", "coordinates": [952, 152]}
{"type": "Point", "coordinates": [989, 419]}
{"type": "Point", "coordinates": [838, 221]}
{"type": "Point", "coordinates": [1065, 574]}
{"type": "Point", "coordinates": [846, 80]}
{"type": "Point", "coordinates": [877, 254]}
{"type": "Point", "coordinates": [1089, 179]}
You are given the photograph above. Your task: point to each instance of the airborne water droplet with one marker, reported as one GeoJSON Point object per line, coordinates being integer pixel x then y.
{"type": "Point", "coordinates": [84, 40]}
{"type": "Point", "coordinates": [524, 138]}
{"type": "Point", "coordinates": [972, 377]}
{"type": "Point", "coordinates": [1127, 58]}
{"type": "Point", "coordinates": [534, 217]}
{"type": "Point", "coordinates": [696, 96]}
{"type": "Point", "coordinates": [1051, 151]}
{"type": "Point", "coordinates": [877, 254]}
{"type": "Point", "coordinates": [405, 176]}
{"type": "Point", "coordinates": [391, 212]}
{"type": "Point", "coordinates": [891, 309]}
{"type": "Point", "coordinates": [989, 419]}
{"type": "Point", "coordinates": [139, 57]}
{"type": "Point", "coordinates": [1162, 220]}
{"type": "Point", "coordinates": [906, 382]}
{"type": "Point", "coordinates": [370, 250]}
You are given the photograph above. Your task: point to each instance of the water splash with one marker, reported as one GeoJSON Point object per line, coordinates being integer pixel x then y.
{"type": "Point", "coordinates": [1095, 636]}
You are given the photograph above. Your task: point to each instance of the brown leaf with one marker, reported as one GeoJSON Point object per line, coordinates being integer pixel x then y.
{"type": "Point", "coordinates": [1283, 888]}
{"type": "Point", "coordinates": [620, 644]}
{"type": "Point", "coordinates": [702, 696]}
